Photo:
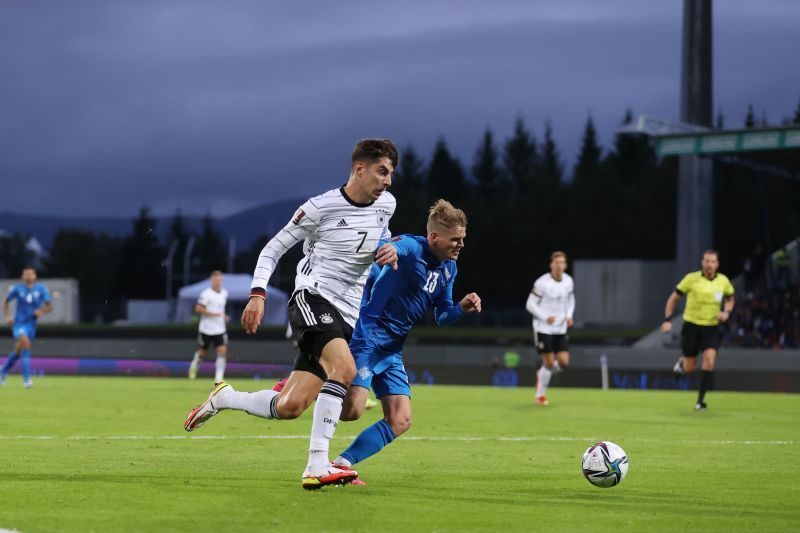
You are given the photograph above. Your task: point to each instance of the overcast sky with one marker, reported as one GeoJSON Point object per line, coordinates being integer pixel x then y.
{"type": "Point", "coordinates": [208, 105]}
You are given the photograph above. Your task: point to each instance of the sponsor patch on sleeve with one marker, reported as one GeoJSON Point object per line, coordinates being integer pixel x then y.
{"type": "Point", "coordinates": [298, 216]}
{"type": "Point", "coordinates": [395, 239]}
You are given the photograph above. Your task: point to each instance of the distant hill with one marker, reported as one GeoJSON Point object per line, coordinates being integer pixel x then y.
{"type": "Point", "coordinates": [244, 226]}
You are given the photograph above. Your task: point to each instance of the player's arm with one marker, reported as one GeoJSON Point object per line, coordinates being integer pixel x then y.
{"type": "Point", "coordinates": [445, 312]}
{"type": "Point", "coordinates": [47, 305]}
{"type": "Point", "coordinates": [669, 310]}
{"type": "Point", "coordinates": [727, 308]}
{"type": "Point", "coordinates": [570, 308]}
{"type": "Point", "coordinates": [533, 305]}
{"type": "Point", "coordinates": [201, 310]}
{"type": "Point", "coordinates": [304, 222]}
{"type": "Point", "coordinates": [7, 311]}
{"type": "Point", "coordinates": [387, 251]}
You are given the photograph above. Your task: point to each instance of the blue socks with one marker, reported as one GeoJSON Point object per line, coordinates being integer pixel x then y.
{"type": "Point", "coordinates": [369, 442]}
{"type": "Point", "coordinates": [26, 365]}
{"type": "Point", "coordinates": [10, 362]}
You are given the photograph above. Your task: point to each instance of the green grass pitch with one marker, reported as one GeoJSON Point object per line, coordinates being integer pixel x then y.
{"type": "Point", "coordinates": [110, 454]}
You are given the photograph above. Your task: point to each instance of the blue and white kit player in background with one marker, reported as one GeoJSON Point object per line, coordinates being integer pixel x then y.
{"type": "Point", "coordinates": [394, 300]}
{"type": "Point", "coordinates": [33, 300]}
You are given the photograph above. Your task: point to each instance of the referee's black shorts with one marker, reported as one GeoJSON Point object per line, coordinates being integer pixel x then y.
{"type": "Point", "coordinates": [315, 322]}
{"type": "Point", "coordinates": [697, 339]}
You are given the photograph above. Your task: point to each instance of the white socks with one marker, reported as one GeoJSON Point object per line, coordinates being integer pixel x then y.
{"type": "Point", "coordinates": [196, 358]}
{"type": "Point", "coordinates": [220, 369]}
{"type": "Point", "coordinates": [556, 368]}
{"type": "Point", "coordinates": [543, 381]}
{"type": "Point", "coordinates": [327, 411]}
{"type": "Point", "coordinates": [254, 403]}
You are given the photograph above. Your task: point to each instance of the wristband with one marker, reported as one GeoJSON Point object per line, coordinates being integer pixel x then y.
{"type": "Point", "coordinates": [258, 292]}
{"type": "Point", "coordinates": [668, 318]}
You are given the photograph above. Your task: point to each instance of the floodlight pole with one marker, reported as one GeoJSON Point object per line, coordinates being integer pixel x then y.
{"type": "Point", "coordinates": [695, 229]}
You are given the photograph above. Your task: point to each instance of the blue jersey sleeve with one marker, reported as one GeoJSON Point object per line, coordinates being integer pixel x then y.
{"type": "Point", "coordinates": [406, 245]}
{"type": "Point", "coordinates": [45, 294]}
{"type": "Point", "coordinates": [445, 312]}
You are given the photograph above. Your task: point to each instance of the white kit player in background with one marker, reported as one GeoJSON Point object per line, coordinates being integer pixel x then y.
{"type": "Point", "coordinates": [213, 326]}
{"type": "Point", "coordinates": [552, 304]}
{"type": "Point", "coordinates": [343, 232]}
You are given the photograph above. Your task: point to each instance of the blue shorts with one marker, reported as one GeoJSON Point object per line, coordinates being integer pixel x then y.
{"type": "Point", "coordinates": [382, 371]}
{"type": "Point", "coordinates": [26, 329]}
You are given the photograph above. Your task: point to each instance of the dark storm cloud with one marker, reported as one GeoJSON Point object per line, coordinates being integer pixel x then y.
{"type": "Point", "coordinates": [206, 105]}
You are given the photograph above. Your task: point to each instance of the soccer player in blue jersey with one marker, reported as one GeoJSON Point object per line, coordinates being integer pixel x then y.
{"type": "Point", "coordinates": [393, 301]}
{"type": "Point", "coordinates": [33, 300]}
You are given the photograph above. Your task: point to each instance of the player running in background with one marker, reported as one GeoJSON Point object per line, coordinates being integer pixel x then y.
{"type": "Point", "coordinates": [709, 301]}
{"type": "Point", "coordinates": [33, 300]}
{"type": "Point", "coordinates": [212, 330]}
{"type": "Point", "coordinates": [341, 231]}
{"type": "Point", "coordinates": [552, 303]}
{"type": "Point", "coordinates": [394, 300]}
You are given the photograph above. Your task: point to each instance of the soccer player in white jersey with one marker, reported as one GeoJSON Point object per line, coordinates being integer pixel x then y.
{"type": "Point", "coordinates": [552, 303]}
{"type": "Point", "coordinates": [212, 330]}
{"type": "Point", "coordinates": [343, 232]}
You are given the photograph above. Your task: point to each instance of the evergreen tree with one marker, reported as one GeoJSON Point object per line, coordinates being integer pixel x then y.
{"type": "Point", "coordinates": [14, 255]}
{"type": "Point", "coordinates": [750, 119]}
{"type": "Point", "coordinates": [588, 165]}
{"type": "Point", "coordinates": [796, 118]}
{"type": "Point", "coordinates": [487, 173]}
{"type": "Point", "coordinates": [519, 157]}
{"type": "Point", "coordinates": [632, 155]}
{"type": "Point", "coordinates": [445, 175]}
{"type": "Point", "coordinates": [409, 176]}
{"type": "Point", "coordinates": [551, 169]}
{"type": "Point", "coordinates": [211, 252]}
{"type": "Point", "coordinates": [92, 259]}
{"type": "Point", "coordinates": [409, 185]}
{"type": "Point", "coordinates": [179, 233]}
{"type": "Point", "coordinates": [141, 274]}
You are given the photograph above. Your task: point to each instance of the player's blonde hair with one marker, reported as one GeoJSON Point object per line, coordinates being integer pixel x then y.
{"type": "Point", "coordinates": [215, 273]}
{"type": "Point", "coordinates": [555, 255]}
{"type": "Point", "coordinates": [443, 214]}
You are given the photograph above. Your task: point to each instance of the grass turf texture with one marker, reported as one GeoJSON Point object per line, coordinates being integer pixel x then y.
{"type": "Point", "coordinates": [728, 469]}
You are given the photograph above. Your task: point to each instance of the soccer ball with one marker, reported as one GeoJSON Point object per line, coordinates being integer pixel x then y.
{"type": "Point", "coordinates": [604, 464]}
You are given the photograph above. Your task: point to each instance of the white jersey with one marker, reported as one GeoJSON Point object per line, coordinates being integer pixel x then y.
{"type": "Point", "coordinates": [339, 238]}
{"type": "Point", "coordinates": [214, 302]}
{"type": "Point", "coordinates": [552, 298]}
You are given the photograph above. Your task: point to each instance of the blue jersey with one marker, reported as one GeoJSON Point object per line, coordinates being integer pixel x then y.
{"type": "Point", "coordinates": [28, 299]}
{"type": "Point", "coordinates": [394, 300]}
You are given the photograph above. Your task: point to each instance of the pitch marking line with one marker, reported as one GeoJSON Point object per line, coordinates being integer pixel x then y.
{"type": "Point", "coordinates": [408, 438]}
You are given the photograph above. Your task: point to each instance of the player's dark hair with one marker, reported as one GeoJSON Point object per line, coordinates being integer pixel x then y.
{"type": "Point", "coordinates": [711, 251]}
{"type": "Point", "coordinates": [28, 267]}
{"type": "Point", "coordinates": [558, 253]}
{"type": "Point", "coordinates": [215, 273]}
{"type": "Point", "coordinates": [370, 150]}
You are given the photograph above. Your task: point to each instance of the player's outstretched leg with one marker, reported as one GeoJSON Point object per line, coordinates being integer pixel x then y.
{"type": "Point", "coordinates": [200, 414]}
{"type": "Point", "coordinates": [12, 359]}
{"type": "Point", "coordinates": [195, 364]}
{"type": "Point", "coordinates": [542, 381]}
{"type": "Point", "coordinates": [677, 368]}
{"type": "Point", "coordinates": [262, 404]}
{"type": "Point", "coordinates": [25, 363]}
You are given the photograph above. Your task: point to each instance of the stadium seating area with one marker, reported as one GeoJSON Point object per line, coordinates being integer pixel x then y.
{"type": "Point", "coordinates": [766, 318]}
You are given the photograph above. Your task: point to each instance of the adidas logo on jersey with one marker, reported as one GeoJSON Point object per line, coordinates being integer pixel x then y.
{"type": "Point", "coordinates": [342, 224]}
{"type": "Point", "coordinates": [325, 318]}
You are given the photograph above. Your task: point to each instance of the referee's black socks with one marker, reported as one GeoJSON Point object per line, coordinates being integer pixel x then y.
{"type": "Point", "coordinates": [706, 384]}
